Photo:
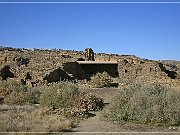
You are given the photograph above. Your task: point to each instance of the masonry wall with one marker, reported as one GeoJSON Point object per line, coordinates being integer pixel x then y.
{"type": "Point", "coordinates": [130, 68]}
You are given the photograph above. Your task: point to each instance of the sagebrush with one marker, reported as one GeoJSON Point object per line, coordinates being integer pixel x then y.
{"type": "Point", "coordinates": [58, 95]}
{"type": "Point", "coordinates": [100, 80]}
{"type": "Point", "coordinates": [14, 92]}
{"type": "Point", "coordinates": [151, 104]}
{"type": "Point", "coordinates": [67, 95]}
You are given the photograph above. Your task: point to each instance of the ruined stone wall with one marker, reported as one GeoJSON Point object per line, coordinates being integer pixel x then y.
{"type": "Point", "coordinates": [42, 62]}
{"type": "Point", "coordinates": [145, 71]}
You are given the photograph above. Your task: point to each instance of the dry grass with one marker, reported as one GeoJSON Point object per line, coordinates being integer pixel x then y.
{"type": "Point", "coordinates": [35, 121]}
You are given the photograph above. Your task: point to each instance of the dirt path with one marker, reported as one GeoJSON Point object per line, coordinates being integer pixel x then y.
{"type": "Point", "coordinates": [95, 125]}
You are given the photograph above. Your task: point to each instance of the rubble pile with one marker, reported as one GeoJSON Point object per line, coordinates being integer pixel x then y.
{"type": "Point", "coordinates": [88, 102]}
{"type": "Point", "coordinates": [81, 106]}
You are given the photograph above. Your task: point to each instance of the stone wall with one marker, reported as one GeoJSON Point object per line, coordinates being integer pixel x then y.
{"type": "Point", "coordinates": [46, 62]}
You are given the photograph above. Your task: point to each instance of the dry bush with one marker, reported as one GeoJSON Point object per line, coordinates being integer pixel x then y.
{"type": "Point", "coordinates": [14, 92]}
{"type": "Point", "coordinates": [79, 106]}
{"type": "Point", "coordinates": [66, 99]}
{"type": "Point", "coordinates": [18, 98]}
{"type": "Point", "coordinates": [101, 80]}
{"type": "Point", "coordinates": [4, 92]}
{"type": "Point", "coordinates": [35, 121]}
{"type": "Point", "coordinates": [152, 104]}
{"type": "Point", "coordinates": [88, 102]}
{"type": "Point", "coordinates": [58, 94]}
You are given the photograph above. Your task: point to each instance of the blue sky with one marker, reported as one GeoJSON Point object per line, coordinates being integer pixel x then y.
{"type": "Point", "coordinates": [149, 31]}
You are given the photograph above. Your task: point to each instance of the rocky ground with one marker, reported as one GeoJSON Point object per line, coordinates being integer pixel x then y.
{"type": "Point", "coordinates": [36, 65]}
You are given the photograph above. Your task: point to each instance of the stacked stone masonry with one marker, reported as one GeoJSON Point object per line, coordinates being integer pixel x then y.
{"type": "Point", "coordinates": [41, 63]}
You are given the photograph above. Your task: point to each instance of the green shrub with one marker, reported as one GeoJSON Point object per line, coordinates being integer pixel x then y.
{"type": "Point", "coordinates": [35, 94]}
{"type": "Point", "coordinates": [152, 104]}
{"type": "Point", "coordinates": [66, 95]}
{"type": "Point", "coordinates": [100, 80]}
{"type": "Point", "coordinates": [14, 92]}
{"type": "Point", "coordinates": [13, 84]}
{"type": "Point", "coordinates": [58, 95]}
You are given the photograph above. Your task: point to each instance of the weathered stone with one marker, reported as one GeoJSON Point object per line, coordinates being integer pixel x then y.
{"type": "Point", "coordinates": [44, 65]}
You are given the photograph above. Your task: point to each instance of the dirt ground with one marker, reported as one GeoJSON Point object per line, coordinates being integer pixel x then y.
{"type": "Point", "coordinates": [95, 124]}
